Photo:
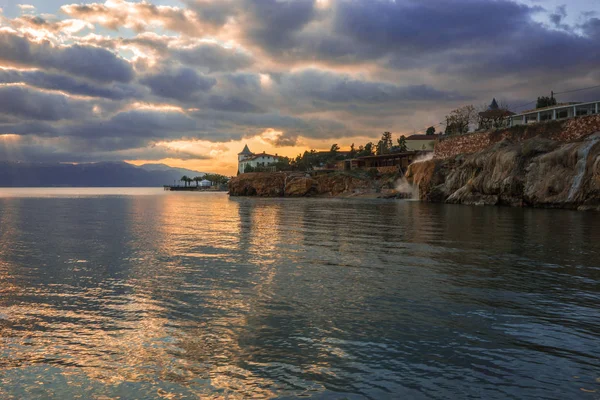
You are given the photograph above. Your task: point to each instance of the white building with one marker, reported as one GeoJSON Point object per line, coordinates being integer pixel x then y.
{"type": "Point", "coordinates": [557, 112]}
{"type": "Point", "coordinates": [246, 157]}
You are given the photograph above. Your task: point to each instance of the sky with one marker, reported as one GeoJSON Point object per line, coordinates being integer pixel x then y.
{"type": "Point", "coordinates": [189, 82]}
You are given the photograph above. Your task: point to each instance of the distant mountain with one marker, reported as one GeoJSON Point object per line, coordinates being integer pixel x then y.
{"type": "Point", "coordinates": [103, 174]}
{"type": "Point", "coordinates": [163, 167]}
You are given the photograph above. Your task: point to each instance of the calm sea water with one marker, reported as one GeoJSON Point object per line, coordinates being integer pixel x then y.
{"type": "Point", "coordinates": [144, 294]}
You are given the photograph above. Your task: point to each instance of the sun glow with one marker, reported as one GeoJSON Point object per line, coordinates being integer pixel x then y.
{"type": "Point", "coordinates": [9, 137]}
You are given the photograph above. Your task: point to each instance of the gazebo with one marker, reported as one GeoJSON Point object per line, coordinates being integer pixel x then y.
{"type": "Point", "coordinates": [494, 116]}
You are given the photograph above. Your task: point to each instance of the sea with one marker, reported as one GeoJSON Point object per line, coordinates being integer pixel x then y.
{"type": "Point", "coordinates": [118, 293]}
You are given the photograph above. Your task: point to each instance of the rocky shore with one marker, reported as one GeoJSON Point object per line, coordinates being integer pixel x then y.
{"type": "Point", "coordinates": [332, 184]}
{"type": "Point", "coordinates": [552, 165]}
{"type": "Point", "coordinates": [538, 172]}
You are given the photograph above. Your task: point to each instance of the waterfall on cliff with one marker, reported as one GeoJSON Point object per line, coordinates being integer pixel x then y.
{"type": "Point", "coordinates": [582, 155]}
{"type": "Point", "coordinates": [402, 185]}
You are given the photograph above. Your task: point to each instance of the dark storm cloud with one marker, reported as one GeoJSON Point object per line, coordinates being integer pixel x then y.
{"type": "Point", "coordinates": [592, 28]}
{"type": "Point", "coordinates": [272, 23]}
{"type": "Point", "coordinates": [213, 57]}
{"type": "Point", "coordinates": [248, 124]}
{"type": "Point", "coordinates": [86, 61]}
{"type": "Point", "coordinates": [183, 84]}
{"type": "Point", "coordinates": [371, 62]}
{"type": "Point", "coordinates": [558, 16]}
{"type": "Point", "coordinates": [431, 25]}
{"type": "Point", "coordinates": [326, 87]}
{"type": "Point", "coordinates": [30, 104]}
{"type": "Point", "coordinates": [138, 125]}
{"type": "Point", "coordinates": [24, 128]}
{"type": "Point", "coordinates": [43, 80]}
{"type": "Point", "coordinates": [245, 81]}
{"type": "Point", "coordinates": [233, 104]}
{"type": "Point", "coordinates": [41, 150]}
{"type": "Point", "coordinates": [214, 13]}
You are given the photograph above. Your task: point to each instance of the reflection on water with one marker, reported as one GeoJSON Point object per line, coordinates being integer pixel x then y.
{"type": "Point", "coordinates": [145, 294]}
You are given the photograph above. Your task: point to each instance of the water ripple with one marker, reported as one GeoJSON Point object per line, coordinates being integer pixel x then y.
{"type": "Point", "coordinates": [144, 294]}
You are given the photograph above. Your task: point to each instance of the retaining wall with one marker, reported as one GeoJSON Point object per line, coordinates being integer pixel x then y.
{"type": "Point", "coordinates": [562, 131]}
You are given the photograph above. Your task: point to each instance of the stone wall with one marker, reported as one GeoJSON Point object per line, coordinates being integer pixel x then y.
{"type": "Point", "coordinates": [387, 170]}
{"type": "Point", "coordinates": [561, 131]}
{"type": "Point", "coordinates": [463, 144]}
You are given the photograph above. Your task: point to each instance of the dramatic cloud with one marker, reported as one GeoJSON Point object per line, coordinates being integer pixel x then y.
{"type": "Point", "coordinates": [23, 102]}
{"type": "Point", "coordinates": [214, 57]}
{"type": "Point", "coordinates": [116, 79]}
{"type": "Point", "coordinates": [86, 61]}
{"type": "Point", "coordinates": [325, 88]}
{"type": "Point", "coordinates": [65, 83]}
{"type": "Point", "coordinates": [183, 84]}
{"type": "Point", "coordinates": [142, 16]}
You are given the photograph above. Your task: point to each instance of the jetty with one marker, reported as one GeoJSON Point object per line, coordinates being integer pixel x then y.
{"type": "Point", "coordinates": [178, 188]}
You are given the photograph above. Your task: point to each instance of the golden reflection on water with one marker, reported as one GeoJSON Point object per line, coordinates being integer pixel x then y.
{"type": "Point", "coordinates": [127, 338]}
{"type": "Point", "coordinates": [190, 295]}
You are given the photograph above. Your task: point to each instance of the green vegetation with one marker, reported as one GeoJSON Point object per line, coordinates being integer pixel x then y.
{"type": "Point", "coordinates": [402, 144]}
{"type": "Point", "coordinates": [458, 120]}
{"type": "Point", "coordinates": [430, 131]}
{"type": "Point", "coordinates": [545, 101]}
{"type": "Point", "coordinates": [327, 159]}
{"type": "Point", "coordinates": [216, 179]}
{"type": "Point", "coordinates": [312, 159]}
{"type": "Point", "coordinates": [186, 180]}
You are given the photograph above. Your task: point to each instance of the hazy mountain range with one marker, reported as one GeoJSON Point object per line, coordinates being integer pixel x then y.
{"type": "Point", "coordinates": [103, 174]}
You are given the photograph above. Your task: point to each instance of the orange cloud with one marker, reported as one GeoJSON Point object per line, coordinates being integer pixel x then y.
{"type": "Point", "coordinates": [142, 16]}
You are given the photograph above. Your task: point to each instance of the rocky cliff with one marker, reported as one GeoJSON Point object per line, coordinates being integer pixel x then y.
{"type": "Point", "coordinates": [290, 184]}
{"type": "Point", "coordinates": [537, 172]}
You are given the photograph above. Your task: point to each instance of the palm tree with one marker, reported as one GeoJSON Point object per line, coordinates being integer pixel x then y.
{"type": "Point", "coordinates": [185, 180]}
{"type": "Point", "coordinates": [197, 179]}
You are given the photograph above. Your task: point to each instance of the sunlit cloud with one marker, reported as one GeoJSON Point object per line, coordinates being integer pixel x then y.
{"type": "Point", "coordinates": [191, 82]}
{"type": "Point", "coordinates": [25, 8]}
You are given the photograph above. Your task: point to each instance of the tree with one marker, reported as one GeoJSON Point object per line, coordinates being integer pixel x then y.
{"type": "Point", "coordinates": [402, 147]}
{"type": "Point", "coordinates": [545, 101]}
{"type": "Point", "coordinates": [386, 138]}
{"type": "Point", "coordinates": [334, 149]}
{"type": "Point", "coordinates": [248, 168]}
{"type": "Point", "coordinates": [352, 151]}
{"type": "Point", "coordinates": [368, 150]}
{"type": "Point", "coordinates": [430, 131]}
{"type": "Point", "coordinates": [458, 120]}
{"type": "Point", "coordinates": [185, 180]}
{"type": "Point", "coordinates": [283, 164]}
{"type": "Point", "coordinates": [384, 146]}
{"type": "Point", "coordinates": [197, 179]}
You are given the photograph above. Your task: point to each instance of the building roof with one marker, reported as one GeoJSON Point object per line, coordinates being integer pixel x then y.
{"type": "Point", "coordinates": [394, 155]}
{"type": "Point", "coordinates": [255, 156]}
{"type": "Point", "coordinates": [422, 137]}
{"type": "Point", "coordinates": [494, 111]}
{"type": "Point", "coordinates": [246, 151]}
{"type": "Point", "coordinates": [346, 152]}
{"type": "Point", "coordinates": [556, 107]}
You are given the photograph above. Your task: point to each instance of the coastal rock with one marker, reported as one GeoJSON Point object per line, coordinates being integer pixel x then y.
{"type": "Point", "coordinates": [294, 184]}
{"type": "Point", "coordinates": [262, 184]}
{"type": "Point", "coordinates": [537, 172]}
{"type": "Point", "coordinates": [299, 186]}
{"type": "Point", "coordinates": [339, 184]}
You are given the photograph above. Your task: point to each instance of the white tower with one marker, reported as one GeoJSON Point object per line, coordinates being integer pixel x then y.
{"type": "Point", "coordinates": [244, 154]}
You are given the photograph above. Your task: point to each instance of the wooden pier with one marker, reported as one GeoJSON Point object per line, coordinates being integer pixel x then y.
{"type": "Point", "coordinates": [193, 189]}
